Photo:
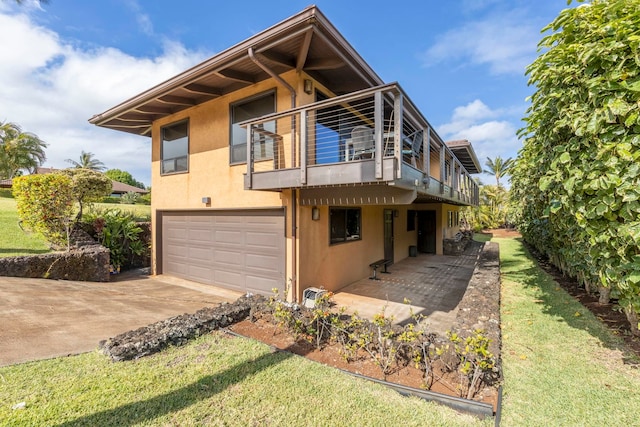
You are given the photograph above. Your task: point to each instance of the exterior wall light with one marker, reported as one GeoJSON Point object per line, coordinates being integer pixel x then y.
{"type": "Point", "coordinates": [315, 213]}
{"type": "Point", "coordinates": [206, 200]}
{"type": "Point", "coordinates": [308, 86]}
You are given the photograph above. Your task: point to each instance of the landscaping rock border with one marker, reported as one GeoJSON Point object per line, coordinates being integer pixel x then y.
{"type": "Point", "coordinates": [177, 330]}
{"type": "Point", "coordinates": [480, 305]}
{"type": "Point", "coordinates": [87, 263]}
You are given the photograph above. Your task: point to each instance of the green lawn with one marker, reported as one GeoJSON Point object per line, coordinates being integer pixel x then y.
{"type": "Point", "coordinates": [14, 241]}
{"type": "Point", "coordinates": [562, 367]}
{"type": "Point", "coordinates": [215, 380]}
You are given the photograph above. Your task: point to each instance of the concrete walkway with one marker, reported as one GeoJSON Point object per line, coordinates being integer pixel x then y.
{"type": "Point", "coordinates": [434, 285]}
{"type": "Point", "coordinates": [41, 318]}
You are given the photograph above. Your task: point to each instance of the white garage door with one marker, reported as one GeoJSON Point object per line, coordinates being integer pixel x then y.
{"type": "Point", "coordinates": [239, 250]}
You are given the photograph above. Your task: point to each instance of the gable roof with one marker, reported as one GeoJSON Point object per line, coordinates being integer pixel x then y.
{"type": "Point", "coordinates": [122, 188]}
{"type": "Point", "coordinates": [305, 42]}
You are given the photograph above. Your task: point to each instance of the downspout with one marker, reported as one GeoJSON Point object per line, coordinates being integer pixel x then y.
{"type": "Point", "coordinates": [294, 193]}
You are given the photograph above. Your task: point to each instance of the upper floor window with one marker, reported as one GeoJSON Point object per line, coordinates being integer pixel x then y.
{"type": "Point", "coordinates": [247, 110]}
{"type": "Point", "coordinates": [174, 151]}
{"type": "Point", "coordinates": [344, 224]}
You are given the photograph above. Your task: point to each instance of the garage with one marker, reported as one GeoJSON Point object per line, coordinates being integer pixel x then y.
{"type": "Point", "coordinates": [239, 250]}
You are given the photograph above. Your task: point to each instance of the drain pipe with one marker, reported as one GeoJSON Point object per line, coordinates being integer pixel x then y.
{"type": "Point", "coordinates": [294, 198]}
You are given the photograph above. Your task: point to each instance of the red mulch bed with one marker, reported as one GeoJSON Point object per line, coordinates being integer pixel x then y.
{"type": "Point", "coordinates": [444, 382]}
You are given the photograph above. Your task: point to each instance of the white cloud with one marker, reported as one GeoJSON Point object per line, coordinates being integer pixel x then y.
{"type": "Point", "coordinates": [51, 88]}
{"type": "Point", "coordinates": [491, 132]}
{"type": "Point", "coordinates": [507, 47]}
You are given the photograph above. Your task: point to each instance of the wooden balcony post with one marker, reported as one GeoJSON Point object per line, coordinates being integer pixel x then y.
{"type": "Point", "coordinates": [303, 146]}
{"type": "Point", "coordinates": [443, 175]}
{"type": "Point", "coordinates": [249, 180]}
{"type": "Point", "coordinates": [426, 154]}
{"type": "Point", "coordinates": [397, 133]}
{"type": "Point", "coordinates": [378, 114]}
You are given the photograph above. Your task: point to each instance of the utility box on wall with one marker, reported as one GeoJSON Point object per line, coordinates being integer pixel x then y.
{"type": "Point", "coordinates": [310, 295]}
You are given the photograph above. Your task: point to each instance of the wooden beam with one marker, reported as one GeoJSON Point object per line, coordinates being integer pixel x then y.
{"type": "Point", "coordinates": [203, 89]}
{"type": "Point", "coordinates": [133, 117]}
{"type": "Point", "coordinates": [180, 100]}
{"type": "Point", "coordinates": [279, 58]}
{"type": "Point", "coordinates": [304, 50]}
{"type": "Point", "coordinates": [154, 110]}
{"type": "Point", "coordinates": [237, 76]}
{"type": "Point", "coordinates": [127, 125]}
{"type": "Point", "coordinates": [324, 64]}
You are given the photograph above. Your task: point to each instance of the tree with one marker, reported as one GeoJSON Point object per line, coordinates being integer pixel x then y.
{"type": "Point", "coordinates": [87, 186]}
{"type": "Point", "coordinates": [87, 161]}
{"type": "Point", "coordinates": [576, 180]}
{"type": "Point", "coordinates": [19, 151]}
{"type": "Point", "coordinates": [498, 167]}
{"type": "Point", "coordinates": [123, 177]}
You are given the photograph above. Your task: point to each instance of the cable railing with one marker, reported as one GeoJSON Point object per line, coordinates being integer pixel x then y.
{"type": "Point", "coordinates": [366, 126]}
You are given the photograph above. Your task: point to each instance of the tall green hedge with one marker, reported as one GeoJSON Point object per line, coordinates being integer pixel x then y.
{"type": "Point", "coordinates": [577, 177]}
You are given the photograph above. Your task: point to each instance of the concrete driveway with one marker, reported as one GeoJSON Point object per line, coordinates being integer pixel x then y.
{"type": "Point", "coordinates": [41, 319]}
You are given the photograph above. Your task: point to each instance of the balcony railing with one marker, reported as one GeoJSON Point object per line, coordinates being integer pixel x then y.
{"type": "Point", "coordinates": [375, 136]}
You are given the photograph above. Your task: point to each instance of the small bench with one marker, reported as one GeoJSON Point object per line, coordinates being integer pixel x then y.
{"type": "Point", "coordinates": [379, 263]}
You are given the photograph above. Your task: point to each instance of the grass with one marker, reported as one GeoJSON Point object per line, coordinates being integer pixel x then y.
{"type": "Point", "coordinates": [13, 240]}
{"type": "Point", "coordinates": [214, 380]}
{"type": "Point", "coordinates": [561, 365]}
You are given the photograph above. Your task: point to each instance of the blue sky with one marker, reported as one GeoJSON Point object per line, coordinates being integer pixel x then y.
{"type": "Point", "coordinates": [462, 62]}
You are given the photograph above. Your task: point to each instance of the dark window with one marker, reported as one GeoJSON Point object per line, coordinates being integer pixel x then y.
{"type": "Point", "coordinates": [411, 220]}
{"type": "Point", "coordinates": [175, 148]}
{"type": "Point", "coordinates": [344, 224]}
{"type": "Point", "coordinates": [247, 110]}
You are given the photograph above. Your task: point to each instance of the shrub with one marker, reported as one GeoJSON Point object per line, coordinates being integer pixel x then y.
{"type": "Point", "coordinates": [130, 198]}
{"type": "Point", "coordinates": [120, 233]}
{"type": "Point", "coordinates": [45, 205]}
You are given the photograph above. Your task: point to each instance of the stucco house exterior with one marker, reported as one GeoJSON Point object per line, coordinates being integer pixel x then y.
{"type": "Point", "coordinates": [286, 162]}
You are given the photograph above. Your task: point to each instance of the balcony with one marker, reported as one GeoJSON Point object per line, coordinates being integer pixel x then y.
{"type": "Point", "coordinates": [367, 147]}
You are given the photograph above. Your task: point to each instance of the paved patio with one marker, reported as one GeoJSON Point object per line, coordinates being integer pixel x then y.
{"type": "Point", "coordinates": [434, 285]}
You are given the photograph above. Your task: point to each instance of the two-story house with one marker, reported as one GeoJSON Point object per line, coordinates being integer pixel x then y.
{"type": "Point", "coordinates": [285, 159]}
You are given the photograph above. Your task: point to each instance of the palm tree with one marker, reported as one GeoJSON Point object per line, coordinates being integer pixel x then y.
{"type": "Point", "coordinates": [19, 150]}
{"type": "Point", "coordinates": [87, 161]}
{"type": "Point", "coordinates": [498, 167]}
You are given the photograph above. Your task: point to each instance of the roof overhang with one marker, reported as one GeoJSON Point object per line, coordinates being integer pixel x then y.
{"type": "Point", "coordinates": [305, 42]}
{"type": "Point", "coordinates": [463, 150]}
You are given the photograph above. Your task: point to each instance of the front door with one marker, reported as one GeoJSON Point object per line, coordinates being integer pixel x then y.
{"type": "Point", "coordinates": [427, 231]}
{"type": "Point", "coordinates": [388, 234]}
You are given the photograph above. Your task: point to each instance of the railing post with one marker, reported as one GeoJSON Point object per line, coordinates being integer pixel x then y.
{"type": "Point", "coordinates": [378, 114]}
{"type": "Point", "coordinates": [426, 154]}
{"type": "Point", "coordinates": [249, 156]}
{"type": "Point", "coordinates": [443, 175]}
{"type": "Point", "coordinates": [397, 132]}
{"type": "Point", "coordinates": [303, 146]}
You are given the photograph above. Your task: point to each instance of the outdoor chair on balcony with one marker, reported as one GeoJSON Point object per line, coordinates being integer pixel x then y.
{"type": "Point", "coordinates": [411, 146]}
{"type": "Point", "coordinates": [362, 143]}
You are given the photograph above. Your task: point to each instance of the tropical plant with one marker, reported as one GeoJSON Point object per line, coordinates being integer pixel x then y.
{"type": "Point", "coordinates": [498, 167]}
{"type": "Point", "coordinates": [87, 161]}
{"type": "Point", "coordinates": [130, 197]}
{"type": "Point", "coordinates": [576, 181]}
{"type": "Point", "coordinates": [120, 232]}
{"type": "Point", "coordinates": [87, 186]}
{"type": "Point", "coordinates": [493, 210]}
{"type": "Point", "coordinates": [45, 205]}
{"type": "Point", "coordinates": [19, 151]}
